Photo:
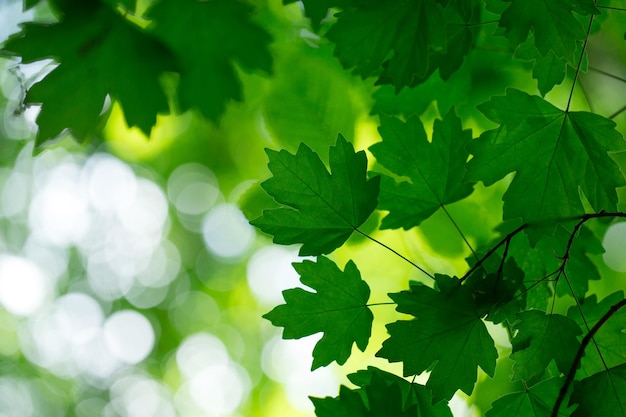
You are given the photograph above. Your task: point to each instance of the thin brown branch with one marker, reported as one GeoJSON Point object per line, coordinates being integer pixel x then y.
{"type": "Point", "coordinates": [580, 353]}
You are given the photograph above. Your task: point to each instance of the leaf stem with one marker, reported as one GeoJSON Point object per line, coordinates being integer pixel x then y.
{"type": "Point", "coordinates": [618, 112]}
{"type": "Point", "coordinates": [580, 353]}
{"type": "Point", "coordinates": [611, 8]}
{"type": "Point", "coordinates": [580, 61]}
{"type": "Point", "coordinates": [490, 22]}
{"type": "Point", "coordinates": [397, 253]}
{"type": "Point", "coordinates": [608, 74]}
{"type": "Point", "coordinates": [492, 251]}
{"type": "Point", "coordinates": [458, 229]}
{"type": "Point", "coordinates": [380, 304]}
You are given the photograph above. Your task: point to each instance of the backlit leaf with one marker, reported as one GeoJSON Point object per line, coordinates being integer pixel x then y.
{"type": "Point", "coordinates": [541, 338]}
{"type": "Point", "coordinates": [222, 33]}
{"type": "Point", "coordinates": [536, 401]}
{"type": "Point", "coordinates": [555, 28]}
{"type": "Point", "coordinates": [434, 169]}
{"type": "Point", "coordinates": [555, 155]}
{"type": "Point", "coordinates": [322, 209]}
{"type": "Point", "coordinates": [447, 336]}
{"type": "Point", "coordinates": [338, 308]}
{"type": "Point", "coordinates": [602, 394]}
{"type": "Point", "coordinates": [91, 46]}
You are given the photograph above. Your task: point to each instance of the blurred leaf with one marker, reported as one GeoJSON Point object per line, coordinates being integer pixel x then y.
{"type": "Point", "coordinates": [365, 37]}
{"type": "Point", "coordinates": [317, 10]}
{"type": "Point", "coordinates": [322, 209]}
{"type": "Point", "coordinates": [447, 337]}
{"type": "Point", "coordinates": [309, 101]}
{"type": "Point", "coordinates": [555, 28]}
{"type": "Point", "coordinates": [207, 38]}
{"type": "Point", "coordinates": [435, 169]}
{"type": "Point", "coordinates": [541, 338]}
{"type": "Point", "coordinates": [338, 308]}
{"type": "Point", "coordinates": [91, 47]}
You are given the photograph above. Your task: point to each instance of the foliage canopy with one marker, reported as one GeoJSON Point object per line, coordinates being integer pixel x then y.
{"type": "Point", "coordinates": [429, 68]}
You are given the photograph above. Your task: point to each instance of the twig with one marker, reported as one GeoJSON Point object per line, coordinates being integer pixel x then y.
{"type": "Point", "coordinates": [579, 355]}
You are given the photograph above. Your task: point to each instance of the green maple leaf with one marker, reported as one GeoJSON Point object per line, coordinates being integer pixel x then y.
{"type": "Point", "coordinates": [554, 26]}
{"type": "Point", "coordinates": [434, 169]}
{"type": "Point", "coordinates": [222, 34]}
{"type": "Point", "coordinates": [323, 209]}
{"type": "Point", "coordinates": [541, 338]}
{"type": "Point", "coordinates": [402, 34]}
{"type": "Point", "coordinates": [602, 394]}
{"type": "Point", "coordinates": [536, 401]}
{"type": "Point", "coordinates": [99, 54]}
{"type": "Point", "coordinates": [338, 308]}
{"type": "Point", "coordinates": [446, 335]}
{"type": "Point", "coordinates": [379, 397]}
{"type": "Point", "coordinates": [408, 39]}
{"type": "Point", "coordinates": [555, 155]}
{"type": "Point", "coordinates": [548, 71]}
{"type": "Point", "coordinates": [412, 394]}
{"type": "Point", "coordinates": [499, 294]}
{"type": "Point", "coordinates": [610, 338]}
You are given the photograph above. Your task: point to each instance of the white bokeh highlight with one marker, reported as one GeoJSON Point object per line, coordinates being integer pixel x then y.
{"type": "Point", "coordinates": [24, 286]}
{"type": "Point", "coordinates": [129, 336]}
{"type": "Point", "coordinates": [226, 231]}
{"type": "Point", "coordinates": [614, 243]}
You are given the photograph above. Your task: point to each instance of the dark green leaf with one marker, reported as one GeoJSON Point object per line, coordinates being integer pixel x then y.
{"type": "Point", "coordinates": [323, 209]}
{"type": "Point", "coordinates": [602, 394]}
{"type": "Point", "coordinates": [446, 335]}
{"type": "Point", "coordinates": [555, 155]}
{"type": "Point", "coordinates": [536, 401]}
{"type": "Point", "coordinates": [610, 338]}
{"type": "Point", "coordinates": [222, 34]}
{"type": "Point", "coordinates": [435, 169]}
{"type": "Point", "coordinates": [412, 394]}
{"type": "Point", "coordinates": [555, 28]}
{"type": "Point", "coordinates": [498, 294]}
{"type": "Point", "coordinates": [541, 338]}
{"type": "Point", "coordinates": [380, 397]}
{"type": "Point", "coordinates": [402, 34]}
{"type": "Point", "coordinates": [91, 47]}
{"type": "Point", "coordinates": [338, 308]}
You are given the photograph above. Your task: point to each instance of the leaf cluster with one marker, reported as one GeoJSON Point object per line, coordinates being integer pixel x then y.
{"type": "Point", "coordinates": [565, 179]}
